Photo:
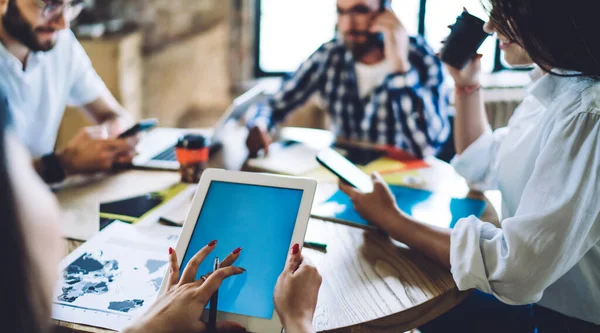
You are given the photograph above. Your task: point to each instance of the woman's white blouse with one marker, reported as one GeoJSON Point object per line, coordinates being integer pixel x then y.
{"type": "Point", "coordinates": [546, 163]}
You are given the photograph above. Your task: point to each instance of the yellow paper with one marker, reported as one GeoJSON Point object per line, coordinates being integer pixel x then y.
{"type": "Point", "coordinates": [408, 178]}
{"type": "Point", "coordinates": [384, 165]}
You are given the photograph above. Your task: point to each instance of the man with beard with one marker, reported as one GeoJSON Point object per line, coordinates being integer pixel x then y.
{"type": "Point", "coordinates": [42, 69]}
{"type": "Point", "coordinates": [380, 85]}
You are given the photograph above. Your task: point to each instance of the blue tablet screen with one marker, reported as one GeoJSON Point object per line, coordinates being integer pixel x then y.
{"type": "Point", "coordinates": [259, 219]}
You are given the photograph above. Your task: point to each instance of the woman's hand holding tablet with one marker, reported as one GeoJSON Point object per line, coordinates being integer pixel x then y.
{"type": "Point", "coordinates": [179, 309]}
{"type": "Point", "coordinates": [264, 215]}
{"type": "Point", "coordinates": [296, 293]}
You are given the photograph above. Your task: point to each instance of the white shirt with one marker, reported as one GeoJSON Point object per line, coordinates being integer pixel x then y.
{"type": "Point", "coordinates": [546, 163]}
{"type": "Point", "coordinates": [39, 94]}
{"type": "Point", "coordinates": [369, 77]}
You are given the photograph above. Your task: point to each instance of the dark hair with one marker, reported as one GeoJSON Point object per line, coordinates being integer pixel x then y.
{"type": "Point", "coordinates": [20, 292]}
{"type": "Point", "coordinates": [555, 33]}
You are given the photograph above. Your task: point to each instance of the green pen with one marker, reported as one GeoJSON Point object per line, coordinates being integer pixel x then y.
{"type": "Point", "coordinates": [316, 246]}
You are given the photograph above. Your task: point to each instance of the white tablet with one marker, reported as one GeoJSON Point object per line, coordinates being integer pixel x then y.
{"type": "Point", "coordinates": [263, 214]}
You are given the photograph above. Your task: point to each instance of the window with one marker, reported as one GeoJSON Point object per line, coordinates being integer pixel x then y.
{"type": "Point", "coordinates": [289, 31]}
{"type": "Point", "coordinates": [439, 14]}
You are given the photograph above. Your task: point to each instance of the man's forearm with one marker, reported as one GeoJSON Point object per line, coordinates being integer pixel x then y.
{"type": "Point", "coordinates": [105, 109]}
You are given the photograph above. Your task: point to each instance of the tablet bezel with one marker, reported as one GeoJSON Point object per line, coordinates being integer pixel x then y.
{"type": "Point", "coordinates": [308, 186]}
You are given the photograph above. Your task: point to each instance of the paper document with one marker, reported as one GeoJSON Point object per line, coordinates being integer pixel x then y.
{"type": "Point", "coordinates": [294, 159]}
{"type": "Point", "coordinates": [114, 276]}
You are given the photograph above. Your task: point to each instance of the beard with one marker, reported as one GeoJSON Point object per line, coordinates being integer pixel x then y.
{"type": "Point", "coordinates": [358, 50]}
{"type": "Point", "coordinates": [21, 30]}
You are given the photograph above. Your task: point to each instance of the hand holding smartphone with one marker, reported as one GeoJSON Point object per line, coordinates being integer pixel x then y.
{"type": "Point", "coordinates": [345, 170]}
{"type": "Point", "coordinates": [142, 126]}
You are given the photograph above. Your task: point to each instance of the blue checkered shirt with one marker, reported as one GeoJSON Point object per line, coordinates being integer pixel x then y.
{"type": "Point", "coordinates": [407, 110]}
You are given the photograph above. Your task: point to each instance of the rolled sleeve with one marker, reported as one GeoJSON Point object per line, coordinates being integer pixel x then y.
{"type": "Point", "coordinates": [259, 116]}
{"type": "Point", "coordinates": [468, 269]}
{"type": "Point", "coordinates": [296, 90]}
{"type": "Point", "coordinates": [475, 164]}
{"type": "Point", "coordinates": [556, 223]}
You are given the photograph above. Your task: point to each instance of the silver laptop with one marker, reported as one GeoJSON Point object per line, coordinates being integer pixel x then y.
{"type": "Point", "coordinates": [156, 149]}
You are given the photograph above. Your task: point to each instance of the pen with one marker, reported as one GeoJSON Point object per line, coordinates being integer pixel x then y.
{"type": "Point", "coordinates": [316, 246]}
{"type": "Point", "coordinates": [212, 314]}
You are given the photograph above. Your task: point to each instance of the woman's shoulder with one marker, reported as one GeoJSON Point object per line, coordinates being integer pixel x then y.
{"type": "Point", "coordinates": [572, 108]}
{"type": "Point", "coordinates": [590, 98]}
{"type": "Point", "coordinates": [574, 97]}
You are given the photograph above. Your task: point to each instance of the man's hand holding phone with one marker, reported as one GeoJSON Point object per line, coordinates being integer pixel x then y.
{"type": "Point", "coordinates": [395, 39]}
{"type": "Point", "coordinates": [257, 140]}
{"type": "Point", "coordinates": [92, 151]}
{"type": "Point", "coordinates": [98, 148]}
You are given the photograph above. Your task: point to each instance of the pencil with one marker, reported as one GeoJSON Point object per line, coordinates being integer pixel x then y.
{"type": "Point", "coordinates": [212, 314]}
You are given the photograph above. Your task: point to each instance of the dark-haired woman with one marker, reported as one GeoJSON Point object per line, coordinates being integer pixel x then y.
{"type": "Point", "coordinates": [31, 246]}
{"type": "Point", "coordinates": [546, 163]}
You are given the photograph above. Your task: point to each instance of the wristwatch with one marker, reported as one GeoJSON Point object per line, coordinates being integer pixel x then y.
{"type": "Point", "coordinates": [53, 171]}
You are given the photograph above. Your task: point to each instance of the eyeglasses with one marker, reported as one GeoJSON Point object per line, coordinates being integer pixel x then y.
{"type": "Point", "coordinates": [54, 8]}
{"type": "Point", "coordinates": [358, 10]}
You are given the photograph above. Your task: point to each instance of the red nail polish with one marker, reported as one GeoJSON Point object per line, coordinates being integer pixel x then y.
{"type": "Point", "coordinates": [242, 269]}
{"type": "Point", "coordinates": [295, 249]}
{"type": "Point", "coordinates": [170, 250]}
{"type": "Point", "coordinates": [238, 250]}
{"type": "Point", "coordinates": [213, 243]}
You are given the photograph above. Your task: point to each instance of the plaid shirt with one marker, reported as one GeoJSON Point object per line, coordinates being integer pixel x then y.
{"type": "Point", "coordinates": [408, 110]}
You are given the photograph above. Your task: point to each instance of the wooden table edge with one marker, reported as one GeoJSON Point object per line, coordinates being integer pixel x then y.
{"type": "Point", "coordinates": [411, 318]}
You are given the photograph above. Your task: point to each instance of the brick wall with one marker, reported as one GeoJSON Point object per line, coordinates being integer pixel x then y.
{"type": "Point", "coordinates": [195, 51]}
{"type": "Point", "coordinates": [164, 21]}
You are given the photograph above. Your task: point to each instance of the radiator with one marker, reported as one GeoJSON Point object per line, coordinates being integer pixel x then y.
{"type": "Point", "coordinates": [500, 105]}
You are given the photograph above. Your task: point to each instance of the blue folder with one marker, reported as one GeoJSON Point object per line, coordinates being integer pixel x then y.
{"type": "Point", "coordinates": [425, 206]}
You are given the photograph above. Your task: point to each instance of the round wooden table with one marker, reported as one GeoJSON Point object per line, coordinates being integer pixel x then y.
{"type": "Point", "coordinates": [370, 283]}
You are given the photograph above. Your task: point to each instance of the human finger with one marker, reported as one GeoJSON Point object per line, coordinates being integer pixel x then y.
{"type": "Point", "coordinates": [231, 258]}
{"type": "Point", "coordinates": [117, 145]}
{"type": "Point", "coordinates": [350, 191]}
{"type": "Point", "coordinates": [376, 177]}
{"type": "Point", "coordinates": [214, 281]}
{"type": "Point", "coordinates": [173, 269]}
{"type": "Point", "coordinates": [308, 269]}
{"type": "Point", "coordinates": [390, 19]}
{"type": "Point", "coordinates": [189, 273]}
{"type": "Point", "coordinates": [294, 259]}
{"type": "Point", "coordinates": [265, 142]}
{"type": "Point", "coordinates": [125, 158]}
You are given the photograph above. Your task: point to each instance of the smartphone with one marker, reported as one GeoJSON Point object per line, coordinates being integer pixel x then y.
{"type": "Point", "coordinates": [142, 126]}
{"type": "Point", "coordinates": [383, 5]}
{"type": "Point", "coordinates": [345, 170]}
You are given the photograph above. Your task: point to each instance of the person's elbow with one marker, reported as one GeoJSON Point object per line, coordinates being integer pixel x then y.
{"type": "Point", "coordinates": [518, 286]}
{"type": "Point", "coordinates": [517, 296]}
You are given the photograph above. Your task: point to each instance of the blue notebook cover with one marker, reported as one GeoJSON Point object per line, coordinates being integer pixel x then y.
{"type": "Point", "coordinates": [425, 206]}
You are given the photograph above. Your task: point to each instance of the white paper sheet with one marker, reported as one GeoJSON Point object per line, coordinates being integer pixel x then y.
{"type": "Point", "coordinates": [294, 160]}
{"type": "Point", "coordinates": [115, 276]}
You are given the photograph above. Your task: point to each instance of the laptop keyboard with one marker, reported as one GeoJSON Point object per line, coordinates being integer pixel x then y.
{"type": "Point", "coordinates": [167, 155]}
